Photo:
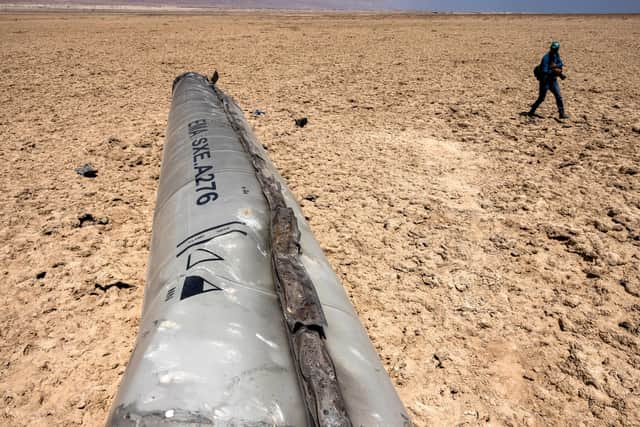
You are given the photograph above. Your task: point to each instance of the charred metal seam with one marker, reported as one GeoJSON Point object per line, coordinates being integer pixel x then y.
{"type": "Point", "coordinates": [302, 311]}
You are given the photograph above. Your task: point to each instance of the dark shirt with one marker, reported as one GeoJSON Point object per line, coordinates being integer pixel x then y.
{"type": "Point", "coordinates": [546, 64]}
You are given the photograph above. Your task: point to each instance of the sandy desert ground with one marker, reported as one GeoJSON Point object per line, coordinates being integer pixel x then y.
{"type": "Point", "coordinates": [493, 258]}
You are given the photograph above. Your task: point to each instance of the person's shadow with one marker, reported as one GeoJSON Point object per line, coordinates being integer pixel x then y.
{"type": "Point", "coordinates": [526, 114]}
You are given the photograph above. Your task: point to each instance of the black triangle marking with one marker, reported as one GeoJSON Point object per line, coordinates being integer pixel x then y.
{"type": "Point", "coordinates": [196, 285]}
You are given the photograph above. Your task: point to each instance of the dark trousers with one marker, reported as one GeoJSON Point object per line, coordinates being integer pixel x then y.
{"type": "Point", "coordinates": [549, 85]}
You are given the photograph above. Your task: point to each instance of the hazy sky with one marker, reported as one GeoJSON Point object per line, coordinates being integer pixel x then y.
{"type": "Point", "coordinates": [575, 6]}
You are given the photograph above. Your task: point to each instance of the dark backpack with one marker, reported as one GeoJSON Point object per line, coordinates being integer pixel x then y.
{"type": "Point", "coordinates": [537, 72]}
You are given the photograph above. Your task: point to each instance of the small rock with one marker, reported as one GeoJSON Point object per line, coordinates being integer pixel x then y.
{"type": "Point", "coordinates": [565, 324]}
{"type": "Point", "coordinates": [86, 217]}
{"type": "Point", "coordinates": [567, 163]}
{"type": "Point", "coordinates": [619, 185]}
{"type": "Point", "coordinates": [636, 128]}
{"type": "Point", "coordinates": [136, 161]}
{"type": "Point", "coordinates": [628, 170]}
{"type": "Point", "coordinates": [617, 227]}
{"type": "Point", "coordinates": [430, 280]}
{"type": "Point", "coordinates": [87, 171]}
{"type": "Point", "coordinates": [461, 287]}
{"type": "Point", "coordinates": [613, 259]}
{"type": "Point", "coordinates": [258, 113]}
{"type": "Point", "coordinates": [612, 212]}
{"type": "Point", "coordinates": [501, 242]}
{"type": "Point", "coordinates": [630, 288]}
{"type": "Point", "coordinates": [27, 349]}
{"type": "Point", "coordinates": [484, 325]}
{"type": "Point", "coordinates": [301, 122]}
{"type": "Point", "coordinates": [392, 224]}
{"type": "Point", "coordinates": [629, 327]}
{"type": "Point", "coordinates": [561, 234]}
{"type": "Point", "coordinates": [311, 197]}
{"type": "Point", "coordinates": [600, 226]}
{"type": "Point", "coordinates": [584, 249]}
{"type": "Point", "coordinates": [41, 275]}
{"type": "Point", "coordinates": [439, 358]}
{"type": "Point", "coordinates": [593, 273]}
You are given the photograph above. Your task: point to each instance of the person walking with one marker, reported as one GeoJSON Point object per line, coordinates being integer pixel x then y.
{"type": "Point", "coordinates": [547, 72]}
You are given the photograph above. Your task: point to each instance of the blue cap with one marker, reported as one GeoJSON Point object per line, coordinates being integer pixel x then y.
{"type": "Point", "coordinates": [555, 45]}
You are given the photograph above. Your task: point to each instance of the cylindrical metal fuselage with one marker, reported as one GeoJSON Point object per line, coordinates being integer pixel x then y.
{"type": "Point", "coordinates": [213, 346]}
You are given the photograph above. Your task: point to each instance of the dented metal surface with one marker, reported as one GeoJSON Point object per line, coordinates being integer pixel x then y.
{"type": "Point", "coordinates": [213, 347]}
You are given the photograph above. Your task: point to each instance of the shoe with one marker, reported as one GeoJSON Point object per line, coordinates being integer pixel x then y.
{"type": "Point", "coordinates": [564, 116]}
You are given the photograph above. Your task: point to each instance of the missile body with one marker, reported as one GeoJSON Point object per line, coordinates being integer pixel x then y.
{"type": "Point", "coordinates": [226, 338]}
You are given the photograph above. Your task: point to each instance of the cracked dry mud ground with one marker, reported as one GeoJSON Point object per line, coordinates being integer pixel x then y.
{"type": "Point", "coordinates": [492, 258]}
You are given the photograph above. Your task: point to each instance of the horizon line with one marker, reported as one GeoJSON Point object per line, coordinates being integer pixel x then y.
{"type": "Point", "coordinates": [161, 6]}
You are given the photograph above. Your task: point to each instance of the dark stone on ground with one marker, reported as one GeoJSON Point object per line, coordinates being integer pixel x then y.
{"type": "Point", "coordinates": [87, 171]}
{"type": "Point", "coordinates": [628, 170]}
{"type": "Point", "coordinates": [87, 217]}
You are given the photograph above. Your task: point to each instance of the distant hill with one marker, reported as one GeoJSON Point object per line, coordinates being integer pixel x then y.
{"type": "Point", "coordinates": [227, 4]}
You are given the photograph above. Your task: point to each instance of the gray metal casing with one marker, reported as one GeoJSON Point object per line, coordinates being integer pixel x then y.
{"type": "Point", "coordinates": [212, 347]}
